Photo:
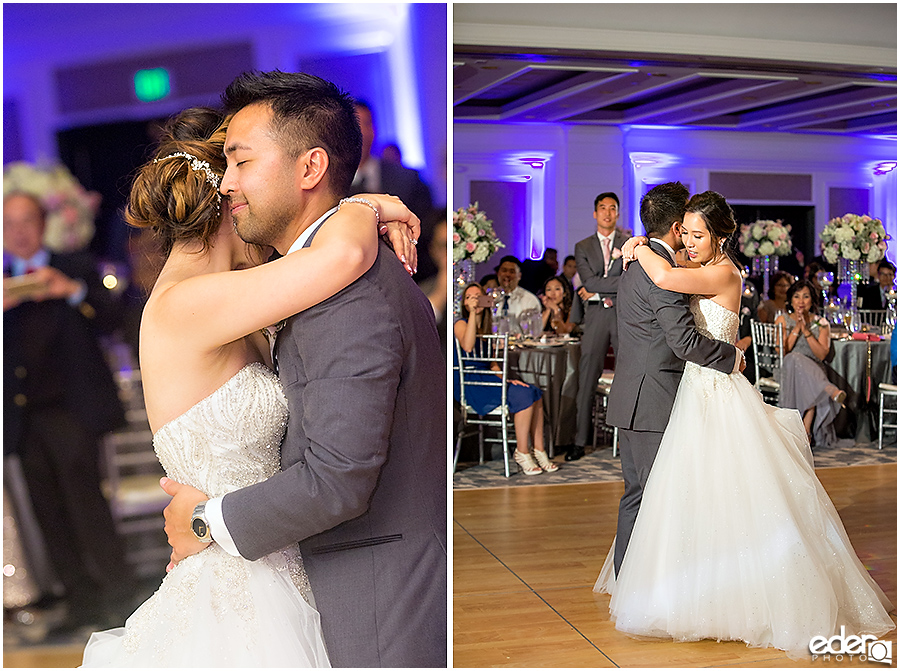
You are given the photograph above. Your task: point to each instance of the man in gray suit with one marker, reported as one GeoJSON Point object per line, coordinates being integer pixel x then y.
{"type": "Point", "coordinates": [599, 262]}
{"type": "Point", "coordinates": [656, 335]}
{"type": "Point", "coordinates": [363, 482]}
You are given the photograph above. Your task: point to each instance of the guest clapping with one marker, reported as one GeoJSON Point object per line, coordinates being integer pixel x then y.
{"type": "Point", "coordinates": [524, 400]}
{"type": "Point", "coordinates": [804, 385]}
{"type": "Point", "coordinates": [557, 298]}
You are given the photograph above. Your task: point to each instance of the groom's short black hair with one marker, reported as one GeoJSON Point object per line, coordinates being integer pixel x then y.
{"type": "Point", "coordinates": [308, 112]}
{"type": "Point", "coordinates": [662, 206]}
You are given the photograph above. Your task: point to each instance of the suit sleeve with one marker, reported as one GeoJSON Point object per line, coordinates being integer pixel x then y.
{"type": "Point", "coordinates": [353, 365]}
{"type": "Point", "coordinates": [674, 316]}
{"type": "Point", "coordinates": [593, 282]}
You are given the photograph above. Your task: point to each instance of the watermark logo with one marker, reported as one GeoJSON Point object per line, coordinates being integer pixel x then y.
{"type": "Point", "coordinates": [865, 648]}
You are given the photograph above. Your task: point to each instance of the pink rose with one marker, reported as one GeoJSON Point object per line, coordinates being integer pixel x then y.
{"type": "Point", "coordinates": [873, 235]}
{"type": "Point", "coordinates": [481, 233]}
{"type": "Point", "coordinates": [616, 253]}
{"type": "Point", "coordinates": [469, 217]}
{"type": "Point", "coordinates": [456, 238]}
{"type": "Point", "coordinates": [470, 247]}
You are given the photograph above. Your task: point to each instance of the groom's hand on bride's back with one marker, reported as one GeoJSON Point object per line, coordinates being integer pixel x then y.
{"type": "Point", "coordinates": [178, 519]}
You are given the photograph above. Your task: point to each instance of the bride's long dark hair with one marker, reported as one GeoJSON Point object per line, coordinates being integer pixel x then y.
{"type": "Point", "coordinates": [718, 217]}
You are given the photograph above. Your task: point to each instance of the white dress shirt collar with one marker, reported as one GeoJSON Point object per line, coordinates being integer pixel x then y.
{"type": "Point", "coordinates": [304, 236]}
{"type": "Point", "coordinates": [665, 245]}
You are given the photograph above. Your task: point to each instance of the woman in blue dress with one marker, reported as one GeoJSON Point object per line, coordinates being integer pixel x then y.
{"type": "Point", "coordinates": [524, 400]}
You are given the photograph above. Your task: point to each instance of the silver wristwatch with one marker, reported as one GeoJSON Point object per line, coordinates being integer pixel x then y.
{"type": "Point", "coordinates": [200, 525]}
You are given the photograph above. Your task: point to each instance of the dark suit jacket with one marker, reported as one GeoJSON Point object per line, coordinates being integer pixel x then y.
{"type": "Point", "coordinates": [407, 185]}
{"type": "Point", "coordinates": [869, 295]}
{"type": "Point", "coordinates": [364, 479]}
{"type": "Point", "coordinates": [656, 336]}
{"type": "Point", "coordinates": [51, 356]}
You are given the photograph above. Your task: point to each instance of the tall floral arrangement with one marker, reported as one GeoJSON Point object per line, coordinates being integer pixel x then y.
{"type": "Point", "coordinates": [473, 235]}
{"type": "Point", "coordinates": [765, 238]}
{"type": "Point", "coordinates": [70, 208]}
{"type": "Point", "coordinates": [855, 238]}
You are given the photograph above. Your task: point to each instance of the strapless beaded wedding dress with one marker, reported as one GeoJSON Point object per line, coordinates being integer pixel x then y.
{"type": "Point", "coordinates": [214, 609]}
{"type": "Point", "coordinates": [736, 539]}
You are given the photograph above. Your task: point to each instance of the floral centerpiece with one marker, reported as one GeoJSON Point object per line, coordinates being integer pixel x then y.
{"type": "Point", "coordinates": [473, 235]}
{"type": "Point", "coordinates": [765, 238]}
{"type": "Point", "coordinates": [854, 238]}
{"type": "Point", "coordinates": [70, 208]}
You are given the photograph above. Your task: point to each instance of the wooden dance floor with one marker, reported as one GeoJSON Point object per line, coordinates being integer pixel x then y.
{"type": "Point", "coordinates": [525, 560]}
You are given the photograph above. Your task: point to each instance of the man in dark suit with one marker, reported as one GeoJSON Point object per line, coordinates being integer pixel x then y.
{"type": "Point", "coordinates": [873, 296]}
{"type": "Point", "coordinates": [656, 336]}
{"type": "Point", "coordinates": [599, 262]}
{"type": "Point", "coordinates": [375, 175]}
{"type": "Point", "coordinates": [59, 399]}
{"type": "Point", "coordinates": [363, 482]}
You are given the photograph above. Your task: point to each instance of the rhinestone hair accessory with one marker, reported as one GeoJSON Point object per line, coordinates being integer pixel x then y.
{"type": "Point", "coordinates": [196, 165]}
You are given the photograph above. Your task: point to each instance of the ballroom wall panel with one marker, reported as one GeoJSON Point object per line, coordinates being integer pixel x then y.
{"type": "Point", "coordinates": [628, 160]}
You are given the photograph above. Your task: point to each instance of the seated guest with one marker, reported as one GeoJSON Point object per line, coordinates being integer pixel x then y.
{"type": "Point", "coordinates": [804, 385]}
{"type": "Point", "coordinates": [777, 302]}
{"type": "Point", "coordinates": [811, 275]}
{"type": "Point", "coordinates": [557, 299]}
{"type": "Point", "coordinates": [524, 400]}
{"type": "Point", "coordinates": [517, 300]}
{"type": "Point", "coordinates": [489, 282]}
{"type": "Point", "coordinates": [874, 296]}
{"type": "Point", "coordinates": [535, 273]}
{"type": "Point", "coordinates": [570, 271]}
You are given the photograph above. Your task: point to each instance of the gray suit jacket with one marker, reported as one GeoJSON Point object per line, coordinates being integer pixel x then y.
{"type": "Point", "coordinates": [364, 479]}
{"type": "Point", "coordinates": [589, 261]}
{"type": "Point", "coordinates": [656, 336]}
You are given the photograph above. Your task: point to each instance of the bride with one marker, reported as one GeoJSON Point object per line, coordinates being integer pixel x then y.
{"type": "Point", "coordinates": [217, 411]}
{"type": "Point", "coordinates": [735, 539]}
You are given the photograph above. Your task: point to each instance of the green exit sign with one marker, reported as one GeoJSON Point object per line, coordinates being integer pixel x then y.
{"type": "Point", "coordinates": [150, 85]}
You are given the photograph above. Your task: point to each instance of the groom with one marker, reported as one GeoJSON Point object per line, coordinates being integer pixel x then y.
{"type": "Point", "coordinates": [363, 482]}
{"type": "Point", "coordinates": [656, 336]}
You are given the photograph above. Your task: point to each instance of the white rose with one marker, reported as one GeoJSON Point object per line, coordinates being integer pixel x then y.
{"type": "Point", "coordinates": [766, 248]}
{"type": "Point", "coordinates": [481, 253]}
{"type": "Point", "coordinates": [774, 234]}
{"type": "Point", "coordinates": [830, 254]}
{"type": "Point", "coordinates": [875, 254]}
{"type": "Point", "coordinates": [848, 251]}
{"type": "Point", "coordinates": [843, 234]}
{"type": "Point", "coordinates": [759, 232]}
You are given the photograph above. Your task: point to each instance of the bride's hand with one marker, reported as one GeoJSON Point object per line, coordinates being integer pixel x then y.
{"type": "Point", "coordinates": [400, 227]}
{"type": "Point", "coordinates": [628, 249]}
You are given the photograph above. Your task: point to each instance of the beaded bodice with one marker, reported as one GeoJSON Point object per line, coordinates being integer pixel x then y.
{"type": "Point", "coordinates": [230, 439]}
{"type": "Point", "coordinates": [718, 323]}
{"type": "Point", "coordinates": [713, 320]}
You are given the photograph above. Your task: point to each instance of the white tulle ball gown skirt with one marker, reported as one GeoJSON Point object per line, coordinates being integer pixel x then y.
{"type": "Point", "coordinates": [736, 538]}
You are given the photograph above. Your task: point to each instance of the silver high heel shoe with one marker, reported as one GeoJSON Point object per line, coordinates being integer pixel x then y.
{"type": "Point", "coordinates": [544, 461]}
{"type": "Point", "coordinates": [526, 463]}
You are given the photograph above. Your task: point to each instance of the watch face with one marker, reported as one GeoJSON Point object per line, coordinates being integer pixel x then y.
{"type": "Point", "coordinates": [199, 528]}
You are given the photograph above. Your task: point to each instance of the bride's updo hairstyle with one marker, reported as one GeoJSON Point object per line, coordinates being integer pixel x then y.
{"type": "Point", "coordinates": [175, 196]}
{"type": "Point", "coordinates": [716, 214]}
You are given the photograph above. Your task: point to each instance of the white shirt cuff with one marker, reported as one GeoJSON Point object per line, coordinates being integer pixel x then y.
{"type": "Point", "coordinates": [217, 527]}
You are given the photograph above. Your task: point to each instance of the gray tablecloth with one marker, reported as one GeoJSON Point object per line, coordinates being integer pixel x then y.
{"type": "Point", "coordinates": [555, 371]}
{"type": "Point", "coordinates": [859, 380]}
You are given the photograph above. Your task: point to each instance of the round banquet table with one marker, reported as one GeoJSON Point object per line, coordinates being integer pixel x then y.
{"type": "Point", "coordinates": [554, 369]}
{"type": "Point", "coordinates": [860, 366]}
